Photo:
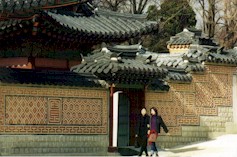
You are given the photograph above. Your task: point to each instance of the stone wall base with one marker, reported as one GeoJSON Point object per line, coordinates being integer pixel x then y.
{"type": "Point", "coordinates": [210, 127]}
{"type": "Point", "coordinates": [190, 134]}
{"type": "Point", "coordinates": [53, 144]}
{"type": "Point", "coordinates": [231, 128]}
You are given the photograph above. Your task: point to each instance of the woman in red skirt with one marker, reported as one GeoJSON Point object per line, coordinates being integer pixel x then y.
{"type": "Point", "coordinates": [156, 123]}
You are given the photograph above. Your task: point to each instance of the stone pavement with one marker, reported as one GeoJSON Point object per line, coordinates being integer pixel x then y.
{"type": "Point", "coordinates": [223, 146]}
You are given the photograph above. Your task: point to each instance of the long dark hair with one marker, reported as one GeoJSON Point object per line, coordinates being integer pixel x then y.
{"type": "Point", "coordinates": [156, 111]}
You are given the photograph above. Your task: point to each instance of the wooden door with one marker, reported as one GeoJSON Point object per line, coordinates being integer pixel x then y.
{"type": "Point", "coordinates": [123, 120]}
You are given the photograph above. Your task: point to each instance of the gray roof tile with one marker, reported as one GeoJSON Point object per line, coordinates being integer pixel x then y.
{"type": "Point", "coordinates": [211, 54]}
{"type": "Point", "coordinates": [102, 27]}
{"type": "Point", "coordinates": [188, 37]}
{"type": "Point", "coordinates": [125, 70]}
{"type": "Point", "coordinates": [96, 27]}
{"type": "Point", "coordinates": [169, 67]}
{"type": "Point", "coordinates": [180, 41]}
{"type": "Point", "coordinates": [49, 77]}
{"type": "Point", "coordinates": [8, 23]}
{"type": "Point", "coordinates": [229, 58]}
{"type": "Point", "coordinates": [13, 6]}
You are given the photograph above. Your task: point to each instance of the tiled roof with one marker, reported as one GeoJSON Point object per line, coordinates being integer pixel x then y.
{"type": "Point", "coordinates": [123, 71]}
{"type": "Point", "coordinates": [181, 77]}
{"type": "Point", "coordinates": [158, 84]}
{"type": "Point", "coordinates": [187, 37]}
{"type": "Point", "coordinates": [212, 54]}
{"type": "Point", "coordinates": [171, 61]}
{"type": "Point", "coordinates": [196, 67]}
{"type": "Point", "coordinates": [196, 58]}
{"type": "Point", "coordinates": [114, 65]}
{"type": "Point", "coordinates": [142, 64]}
{"type": "Point", "coordinates": [230, 58]}
{"type": "Point", "coordinates": [143, 67]}
{"type": "Point", "coordinates": [122, 51]}
{"type": "Point", "coordinates": [177, 68]}
{"type": "Point", "coordinates": [103, 27]}
{"type": "Point", "coordinates": [125, 51]}
{"type": "Point", "coordinates": [8, 23]}
{"type": "Point", "coordinates": [13, 6]}
{"type": "Point", "coordinates": [180, 41]}
{"type": "Point", "coordinates": [49, 77]}
{"type": "Point", "coordinates": [91, 25]}
{"type": "Point", "coordinates": [9, 27]}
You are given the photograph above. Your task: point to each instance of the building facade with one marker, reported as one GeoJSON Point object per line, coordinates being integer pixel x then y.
{"type": "Point", "coordinates": [52, 112]}
{"type": "Point", "coordinates": [92, 109]}
{"type": "Point", "coordinates": [45, 108]}
{"type": "Point", "coordinates": [195, 94]}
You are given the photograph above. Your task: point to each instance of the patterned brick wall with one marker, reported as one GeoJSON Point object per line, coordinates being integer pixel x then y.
{"type": "Point", "coordinates": [41, 110]}
{"type": "Point", "coordinates": [185, 103]}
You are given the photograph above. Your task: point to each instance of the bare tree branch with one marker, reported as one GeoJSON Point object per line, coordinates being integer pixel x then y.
{"type": "Point", "coordinates": [134, 6]}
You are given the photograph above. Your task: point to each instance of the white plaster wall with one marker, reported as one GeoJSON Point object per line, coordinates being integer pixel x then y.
{"type": "Point", "coordinates": [115, 118]}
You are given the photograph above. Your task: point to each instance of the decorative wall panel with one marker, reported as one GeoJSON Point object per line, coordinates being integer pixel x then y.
{"type": "Point", "coordinates": [55, 109]}
{"type": "Point", "coordinates": [26, 110]}
{"type": "Point", "coordinates": [40, 110]}
{"type": "Point", "coordinates": [82, 111]}
{"type": "Point", "coordinates": [185, 103]}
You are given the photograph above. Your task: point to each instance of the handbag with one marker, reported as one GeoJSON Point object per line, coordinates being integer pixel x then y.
{"type": "Point", "coordinates": [152, 137]}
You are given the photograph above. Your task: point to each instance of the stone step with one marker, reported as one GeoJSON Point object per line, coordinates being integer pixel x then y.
{"type": "Point", "coordinates": [195, 128]}
{"type": "Point", "coordinates": [206, 119]}
{"type": "Point", "coordinates": [180, 139]}
{"type": "Point", "coordinates": [56, 150]}
{"type": "Point", "coordinates": [214, 135]}
{"type": "Point", "coordinates": [71, 154]}
{"type": "Point", "coordinates": [217, 124]}
{"type": "Point", "coordinates": [231, 128]}
{"type": "Point", "coordinates": [195, 134]}
{"type": "Point", "coordinates": [195, 131]}
{"type": "Point", "coordinates": [41, 144]}
{"type": "Point", "coordinates": [67, 154]}
{"type": "Point", "coordinates": [47, 144]}
{"type": "Point", "coordinates": [183, 141]}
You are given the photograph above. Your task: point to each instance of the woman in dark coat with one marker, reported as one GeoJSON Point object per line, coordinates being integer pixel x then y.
{"type": "Point", "coordinates": [156, 123]}
{"type": "Point", "coordinates": [142, 130]}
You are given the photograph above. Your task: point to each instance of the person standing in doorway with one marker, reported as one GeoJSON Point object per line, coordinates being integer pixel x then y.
{"type": "Point", "coordinates": [142, 130]}
{"type": "Point", "coordinates": [156, 123]}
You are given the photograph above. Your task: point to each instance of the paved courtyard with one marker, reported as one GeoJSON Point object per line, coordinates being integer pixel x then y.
{"type": "Point", "coordinates": [223, 146]}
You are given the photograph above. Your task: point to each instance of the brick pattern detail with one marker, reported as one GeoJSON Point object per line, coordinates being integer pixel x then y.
{"type": "Point", "coordinates": [40, 110]}
{"type": "Point", "coordinates": [82, 111]}
{"type": "Point", "coordinates": [55, 108]}
{"type": "Point", "coordinates": [185, 103]}
{"type": "Point", "coordinates": [26, 110]}
{"type": "Point", "coordinates": [185, 120]}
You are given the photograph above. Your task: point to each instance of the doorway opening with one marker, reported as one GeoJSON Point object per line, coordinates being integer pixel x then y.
{"type": "Point", "coordinates": [127, 106]}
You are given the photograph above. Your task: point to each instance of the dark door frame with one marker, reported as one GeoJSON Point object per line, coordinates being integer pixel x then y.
{"type": "Point", "coordinates": [137, 101]}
